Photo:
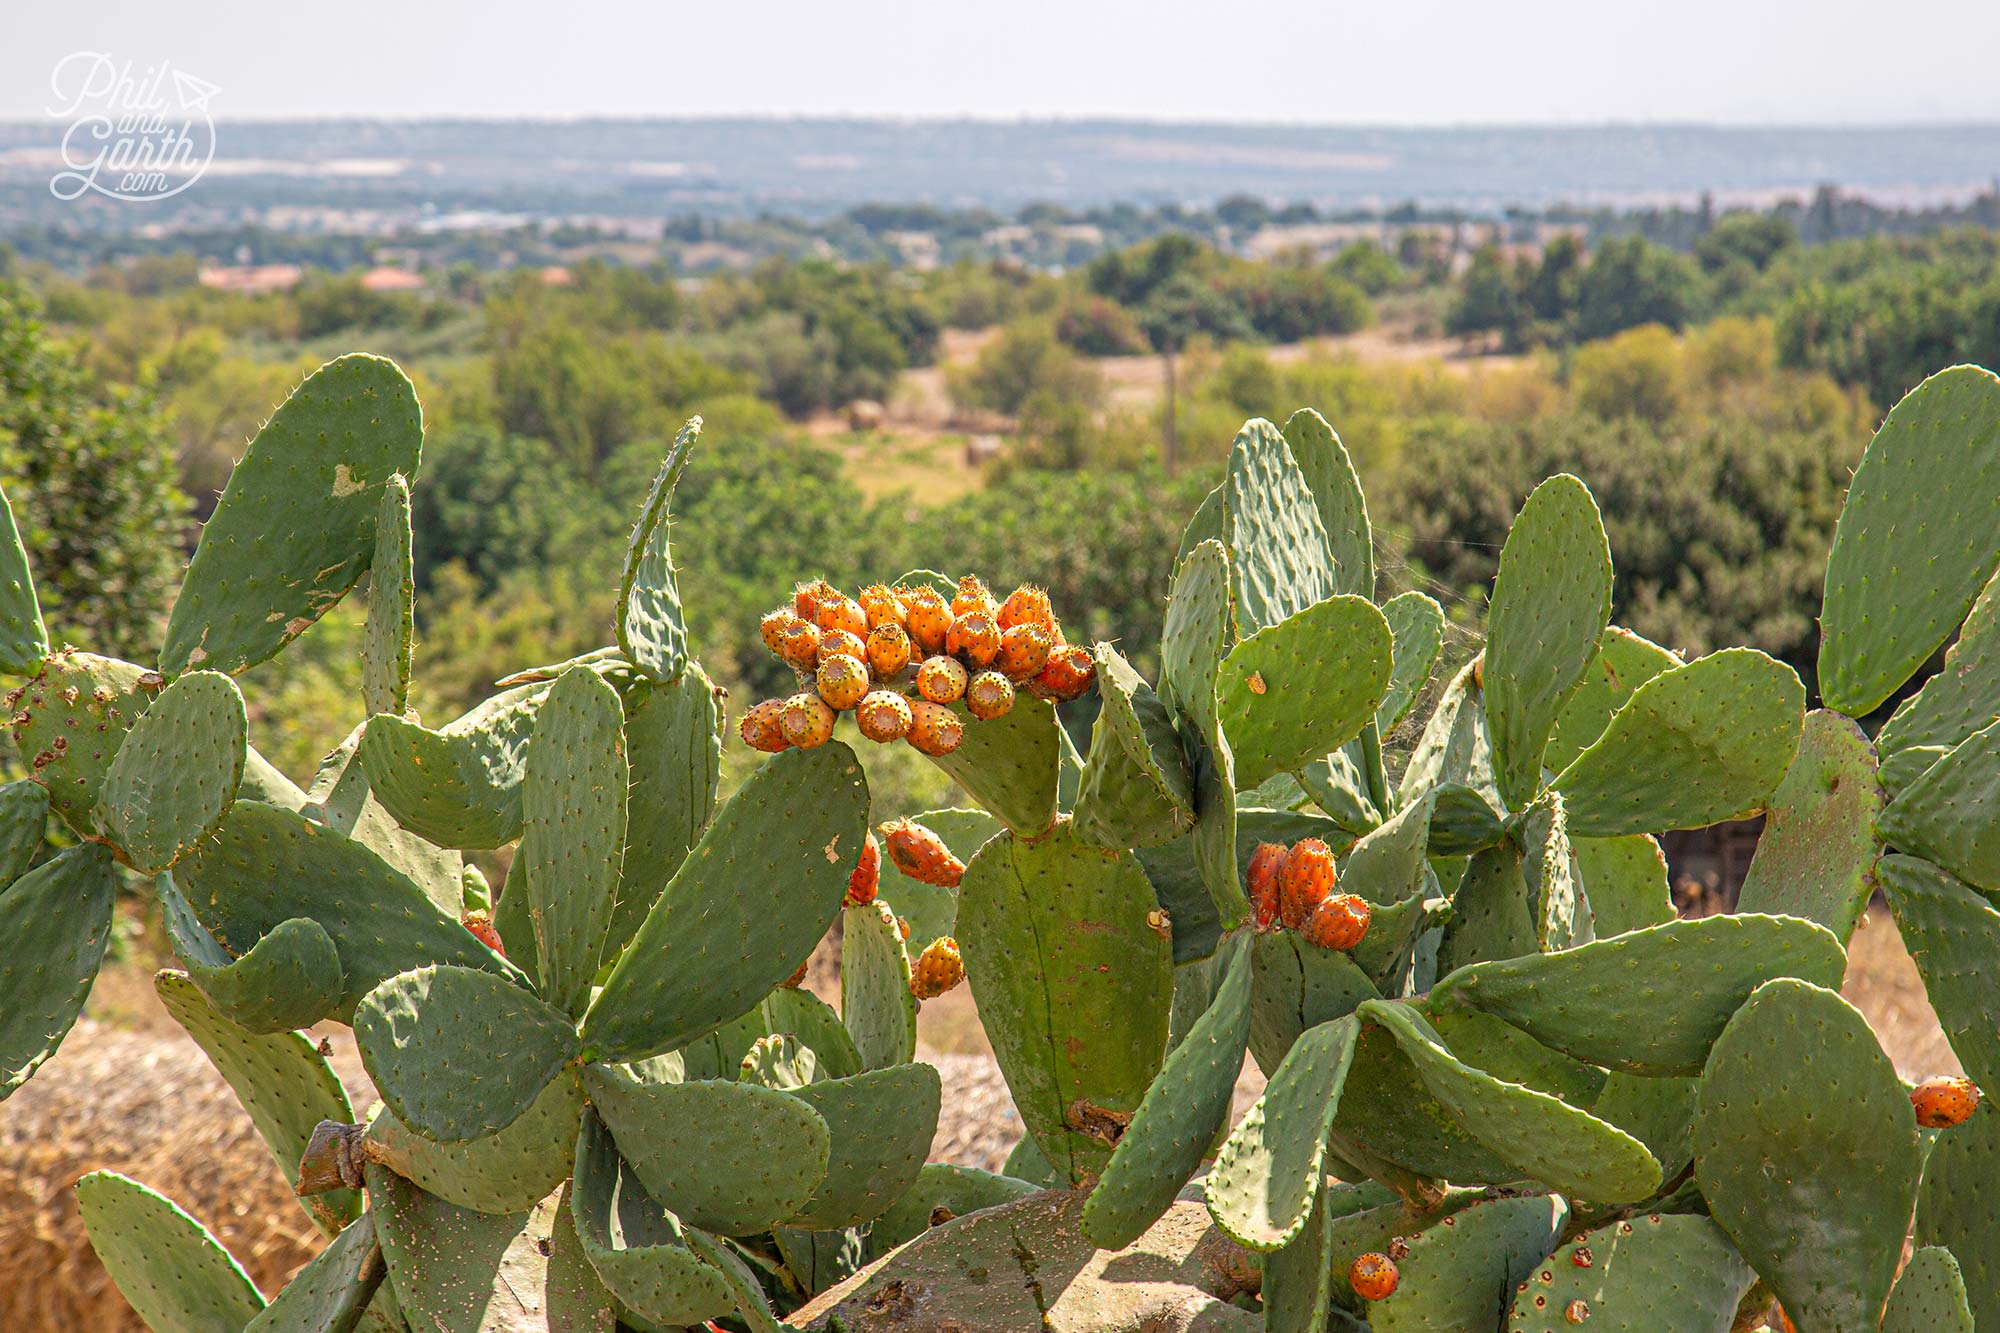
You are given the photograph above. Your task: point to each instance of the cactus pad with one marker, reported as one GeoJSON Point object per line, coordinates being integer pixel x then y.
{"type": "Point", "coordinates": [1819, 1204]}
{"type": "Point", "coordinates": [289, 979]}
{"type": "Point", "coordinates": [330, 1294]}
{"type": "Point", "coordinates": [638, 1249]}
{"type": "Point", "coordinates": [875, 1000]}
{"type": "Point", "coordinates": [1456, 747]}
{"type": "Point", "coordinates": [1308, 684]}
{"type": "Point", "coordinates": [882, 1123]}
{"type": "Point", "coordinates": [454, 1270]}
{"type": "Point", "coordinates": [459, 786]}
{"type": "Point", "coordinates": [1955, 1207]}
{"type": "Point", "coordinates": [176, 772]}
{"type": "Point", "coordinates": [1816, 856]}
{"type": "Point", "coordinates": [173, 1272]}
{"type": "Point", "coordinates": [957, 1190]}
{"type": "Point", "coordinates": [23, 640]}
{"type": "Point", "coordinates": [1930, 1296]}
{"type": "Point", "coordinates": [1268, 1173]}
{"type": "Point", "coordinates": [507, 1172]}
{"type": "Point", "coordinates": [1461, 1273]}
{"type": "Point", "coordinates": [24, 821]}
{"type": "Point", "coordinates": [1336, 491]}
{"type": "Point", "coordinates": [1946, 814]}
{"type": "Point", "coordinates": [651, 629]}
{"type": "Point", "coordinates": [1643, 1275]}
{"type": "Point", "coordinates": [1277, 543]}
{"type": "Point", "coordinates": [1298, 987]}
{"type": "Point", "coordinates": [1623, 662]}
{"type": "Point", "coordinates": [1953, 936]}
{"type": "Point", "coordinates": [56, 920]}
{"type": "Point", "coordinates": [1416, 631]}
{"type": "Point", "coordinates": [752, 1307]}
{"type": "Point", "coordinates": [73, 718]}
{"type": "Point", "coordinates": [1200, 626]}
{"type": "Point", "coordinates": [296, 525]}
{"type": "Point", "coordinates": [1136, 788]}
{"type": "Point", "coordinates": [1010, 764]}
{"type": "Point", "coordinates": [386, 643]}
{"type": "Point", "coordinates": [1960, 699]}
{"type": "Point", "coordinates": [1625, 881]}
{"type": "Point", "coordinates": [673, 738]}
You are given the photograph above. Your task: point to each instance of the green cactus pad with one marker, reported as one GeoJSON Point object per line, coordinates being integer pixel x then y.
{"type": "Point", "coordinates": [1338, 785]}
{"type": "Point", "coordinates": [266, 866]}
{"type": "Point", "coordinates": [1953, 935]}
{"type": "Point", "coordinates": [780, 1062]}
{"type": "Point", "coordinates": [1025, 1162]}
{"type": "Point", "coordinates": [727, 1157]}
{"type": "Point", "coordinates": [1946, 814]}
{"type": "Point", "coordinates": [1551, 602]}
{"type": "Point", "coordinates": [176, 772]}
{"type": "Point", "coordinates": [1011, 764]}
{"type": "Point", "coordinates": [799, 1013]}
{"type": "Point", "coordinates": [1277, 543]}
{"type": "Point", "coordinates": [296, 525]}
{"type": "Point", "coordinates": [875, 1000]}
{"type": "Point", "coordinates": [1398, 936]}
{"type": "Point", "coordinates": [454, 1270]}
{"type": "Point", "coordinates": [1816, 856]}
{"type": "Point", "coordinates": [173, 1272]}
{"type": "Point", "coordinates": [1187, 1105]}
{"type": "Point", "coordinates": [819, 1259]}
{"type": "Point", "coordinates": [1693, 746]}
{"type": "Point", "coordinates": [1493, 916]}
{"type": "Point", "coordinates": [1214, 839]}
{"type": "Point", "coordinates": [1294, 690]}
{"type": "Point", "coordinates": [932, 909]}
{"type": "Point", "coordinates": [1177, 880]}
{"type": "Point", "coordinates": [1622, 663]}
{"type": "Point", "coordinates": [330, 1294]}
{"type": "Point", "coordinates": [1463, 821]}
{"type": "Point", "coordinates": [1653, 1274]}
{"type": "Point", "coordinates": [1960, 699]}
{"type": "Point", "coordinates": [1387, 864]}
{"type": "Point", "coordinates": [24, 821]}
{"type": "Point", "coordinates": [1625, 882]}
{"type": "Point", "coordinates": [651, 629]}
{"type": "Point", "coordinates": [1652, 1001]}
{"type": "Point", "coordinates": [1819, 1204]}
{"type": "Point", "coordinates": [1461, 1274]}
{"type": "Point", "coordinates": [23, 640]}
{"type": "Point", "coordinates": [1416, 629]}
{"type": "Point", "coordinates": [507, 1172]}
{"type": "Point", "coordinates": [72, 720]}
{"type": "Point", "coordinates": [753, 1308]}
{"type": "Point", "coordinates": [673, 737]}
{"type": "Point", "coordinates": [342, 800]}
{"type": "Point", "coordinates": [1137, 790]}
{"type": "Point", "coordinates": [392, 593]}
{"type": "Point", "coordinates": [56, 920]}
{"type": "Point", "coordinates": [289, 979]}
{"type": "Point", "coordinates": [1200, 626]}
{"type": "Point", "coordinates": [578, 1301]}
{"type": "Point", "coordinates": [638, 1249]}
{"type": "Point", "coordinates": [1336, 491]}
{"type": "Point", "coordinates": [1544, 1137]}
{"type": "Point", "coordinates": [1297, 987]}
{"type": "Point", "coordinates": [1209, 522]}
{"type": "Point", "coordinates": [1366, 1218]}
{"type": "Point", "coordinates": [1298, 1278]}
{"type": "Point", "coordinates": [458, 1053]}
{"type": "Point", "coordinates": [882, 1124]}
{"type": "Point", "coordinates": [459, 786]}
{"type": "Point", "coordinates": [957, 1190]}
{"type": "Point", "coordinates": [1512, 1056]}
{"type": "Point", "coordinates": [1456, 747]}
{"type": "Point", "coordinates": [1073, 984]}
{"type": "Point", "coordinates": [573, 835]}
{"type": "Point", "coordinates": [743, 911]}
{"type": "Point", "coordinates": [1930, 1296]}
{"type": "Point", "coordinates": [1659, 1112]}
{"type": "Point", "coordinates": [1917, 538]}
{"type": "Point", "coordinates": [1955, 1207]}
{"type": "Point", "coordinates": [263, 782]}
{"type": "Point", "coordinates": [1268, 1173]}
{"type": "Point", "coordinates": [282, 1080]}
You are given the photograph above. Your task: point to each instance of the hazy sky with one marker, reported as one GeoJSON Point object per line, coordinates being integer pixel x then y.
{"type": "Point", "coordinates": [1385, 61]}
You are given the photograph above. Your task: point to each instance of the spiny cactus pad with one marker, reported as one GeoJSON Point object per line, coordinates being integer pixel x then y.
{"type": "Point", "coordinates": [296, 524]}
{"type": "Point", "coordinates": [1816, 855]}
{"type": "Point", "coordinates": [1947, 813]}
{"type": "Point", "coordinates": [1308, 684]}
{"type": "Point", "coordinates": [875, 1000]}
{"type": "Point", "coordinates": [173, 1272]}
{"type": "Point", "coordinates": [23, 640]}
{"type": "Point", "coordinates": [291, 978]}
{"type": "Point", "coordinates": [57, 922]}
{"type": "Point", "coordinates": [1625, 881]}
{"type": "Point", "coordinates": [1930, 1296]}
{"type": "Point", "coordinates": [330, 1294]}
{"type": "Point", "coordinates": [651, 628]}
{"type": "Point", "coordinates": [1336, 491]}
{"type": "Point", "coordinates": [454, 1270]}
{"type": "Point", "coordinates": [387, 640]}
{"type": "Point", "coordinates": [1137, 790]}
{"type": "Point", "coordinates": [673, 740]}
{"type": "Point", "coordinates": [459, 786]}
{"type": "Point", "coordinates": [1953, 935]}
{"type": "Point", "coordinates": [24, 821]}
{"type": "Point", "coordinates": [176, 772]}
{"type": "Point", "coordinates": [1416, 631]}
{"type": "Point", "coordinates": [637, 1247]}
{"type": "Point", "coordinates": [1623, 662]}
{"type": "Point", "coordinates": [505, 1172]}
{"type": "Point", "coordinates": [1010, 764]}
{"type": "Point", "coordinates": [1649, 1273]}
{"type": "Point", "coordinates": [1960, 699]}
{"type": "Point", "coordinates": [1461, 1273]}
{"type": "Point", "coordinates": [1955, 1206]}
{"type": "Point", "coordinates": [1268, 1173]}
{"type": "Point", "coordinates": [957, 1190]}
{"type": "Point", "coordinates": [882, 1123]}
{"type": "Point", "coordinates": [74, 716]}
{"type": "Point", "coordinates": [1277, 542]}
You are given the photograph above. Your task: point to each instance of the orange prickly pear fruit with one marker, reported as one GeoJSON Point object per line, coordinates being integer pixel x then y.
{"type": "Point", "coordinates": [1373, 1276]}
{"type": "Point", "coordinates": [937, 969]}
{"type": "Point", "coordinates": [1262, 881]}
{"type": "Point", "coordinates": [883, 716]}
{"type": "Point", "coordinates": [773, 627]}
{"type": "Point", "coordinates": [1304, 881]}
{"type": "Point", "coordinates": [1338, 922]}
{"type": "Point", "coordinates": [839, 611]}
{"type": "Point", "coordinates": [1024, 651]}
{"type": "Point", "coordinates": [806, 721]}
{"type": "Point", "coordinates": [800, 645]}
{"type": "Point", "coordinates": [1069, 674]}
{"type": "Point", "coordinates": [842, 681]}
{"type": "Point", "coordinates": [760, 727]}
{"type": "Point", "coordinates": [1479, 672]}
{"type": "Point", "coordinates": [941, 680]}
{"type": "Point", "coordinates": [805, 600]}
{"type": "Point", "coordinates": [881, 606]}
{"type": "Point", "coordinates": [1026, 605]}
{"type": "Point", "coordinates": [972, 597]}
{"type": "Point", "coordinates": [888, 649]}
{"type": "Point", "coordinates": [841, 643]}
{"type": "Point", "coordinates": [481, 925]}
{"type": "Point", "coordinates": [974, 639]}
{"type": "Point", "coordinates": [934, 729]}
{"type": "Point", "coordinates": [1944, 1101]}
{"type": "Point", "coordinates": [866, 881]}
{"type": "Point", "coordinates": [927, 617]}
{"type": "Point", "coordinates": [921, 854]}
{"type": "Point", "coordinates": [989, 696]}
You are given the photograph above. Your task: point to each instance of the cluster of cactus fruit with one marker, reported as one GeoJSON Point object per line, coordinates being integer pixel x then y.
{"type": "Point", "coordinates": [1507, 1088]}
{"type": "Point", "coordinates": [897, 658]}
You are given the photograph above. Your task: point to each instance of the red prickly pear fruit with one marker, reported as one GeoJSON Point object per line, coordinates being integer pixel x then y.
{"type": "Point", "coordinates": [1069, 674]}
{"type": "Point", "coordinates": [888, 650]}
{"type": "Point", "coordinates": [934, 729]}
{"type": "Point", "coordinates": [806, 721]}
{"type": "Point", "coordinates": [881, 606]}
{"type": "Point", "coordinates": [760, 727]}
{"type": "Point", "coordinates": [1262, 881]}
{"type": "Point", "coordinates": [839, 611]}
{"type": "Point", "coordinates": [941, 680]}
{"type": "Point", "coordinates": [1024, 651]}
{"type": "Point", "coordinates": [800, 645]}
{"type": "Point", "coordinates": [989, 696]}
{"type": "Point", "coordinates": [481, 925]}
{"type": "Point", "coordinates": [937, 969]}
{"type": "Point", "coordinates": [974, 639]}
{"type": "Point", "coordinates": [793, 982]}
{"type": "Point", "coordinates": [1026, 605]}
{"type": "Point", "coordinates": [773, 627]}
{"type": "Point", "coordinates": [866, 881]}
{"type": "Point", "coordinates": [840, 643]}
{"type": "Point", "coordinates": [842, 681]}
{"type": "Point", "coordinates": [972, 598]}
{"type": "Point", "coordinates": [883, 716]}
{"type": "Point", "coordinates": [927, 616]}
{"type": "Point", "coordinates": [1338, 922]}
{"type": "Point", "coordinates": [1944, 1101]}
{"type": "Point", "coordinates": [921, 854]}
{"type": "Point", "coordinates": [1373, 1276]}
{"type": "Point", "coordinates": [1304, 881]}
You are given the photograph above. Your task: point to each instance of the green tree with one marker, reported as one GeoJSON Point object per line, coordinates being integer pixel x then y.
{"type": "Point", "coordinates": [1630, 282]}
{"type": "Point", "coordinates": [1488, 299]}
